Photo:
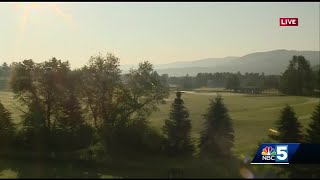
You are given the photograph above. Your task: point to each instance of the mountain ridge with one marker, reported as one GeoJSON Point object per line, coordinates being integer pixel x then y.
{"type": "Point", "coordinates": [269, 62]}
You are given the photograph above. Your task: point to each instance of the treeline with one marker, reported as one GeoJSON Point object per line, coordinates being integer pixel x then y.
{"type": "Point", "coordinates": [227, 80]}
{"type": "Point", "coordinates": [298, 79]}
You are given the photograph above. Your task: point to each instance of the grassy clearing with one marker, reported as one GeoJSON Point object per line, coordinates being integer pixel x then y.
{"type": "Point", "coordinates": [252, 116]}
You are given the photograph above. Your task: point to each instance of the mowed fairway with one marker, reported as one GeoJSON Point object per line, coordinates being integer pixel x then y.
{"type": "Point", "coordinates": [252, 116]}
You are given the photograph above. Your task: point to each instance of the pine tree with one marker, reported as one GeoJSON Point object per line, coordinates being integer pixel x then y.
{"type": "Point", "coordinates": [313, 132]}
{"type": "Point", "coordinates": [288, 127]}
{"type": "Point", "coordinates": [313, 136]}
{"type": "Point", "coordinates": [177, 129]}
{"type": "Point", "coordinates": [218, 135]}
{"type": "Point", "coordinates": [6, 127]}
{"type": "Point", "coordinates": [289, 131]}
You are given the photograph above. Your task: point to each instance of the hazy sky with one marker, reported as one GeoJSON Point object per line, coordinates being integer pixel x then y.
{"type": "Point", "coordinates": [158, 32]}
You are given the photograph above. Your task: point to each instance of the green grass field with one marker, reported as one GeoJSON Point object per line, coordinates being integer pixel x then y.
{"type": "Point", "coordinates": [252, 115]}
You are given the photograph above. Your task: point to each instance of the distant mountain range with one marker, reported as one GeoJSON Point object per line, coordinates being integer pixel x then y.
{"type": "Point", "coordinates": [270, 62]}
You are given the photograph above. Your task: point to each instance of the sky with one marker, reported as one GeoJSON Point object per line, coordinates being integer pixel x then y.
{"type": "Point", "coordinates": [158, 32]}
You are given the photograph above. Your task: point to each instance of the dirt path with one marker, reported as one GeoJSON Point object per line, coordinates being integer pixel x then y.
{"type": "Point", "coordinates": [214, 93]}
{"type": "Point", "coordinates": [309, 101]}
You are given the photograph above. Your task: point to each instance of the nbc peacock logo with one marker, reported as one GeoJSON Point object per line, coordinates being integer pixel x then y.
{"type": "Point", "coordinates": [268, 151]}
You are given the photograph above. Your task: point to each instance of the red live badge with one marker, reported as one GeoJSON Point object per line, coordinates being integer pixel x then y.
{"type": "Point", "coordinates": [288, 21]}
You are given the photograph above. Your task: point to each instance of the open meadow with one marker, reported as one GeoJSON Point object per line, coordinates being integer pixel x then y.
{"type": "Point", "coordinates": [252, 115]}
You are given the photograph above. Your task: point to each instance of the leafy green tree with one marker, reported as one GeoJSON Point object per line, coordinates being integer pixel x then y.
{"type": "Point", "coordinates": [119, 105]}
{"type": "Point", "coordinates": [71, 132]}
{"type": "Point", "coordinates": [218, 135]}
{"type": "Point", "coordinates": [40, 84]}
{"type": "Point", "coordinates": [177, 129]}
{"type": "Point", "coordinates": [288, 127]}
{"type": "Point", "coordinates": [34, 128]}
{"type": "Point", "coordinates": [298, 79]}
{"type": "Point", "coordinates": [48, 91]}
{"type": "Point", "coordinates": [100, 85]}
{"type": "Point", "coordinates": [313, 132]}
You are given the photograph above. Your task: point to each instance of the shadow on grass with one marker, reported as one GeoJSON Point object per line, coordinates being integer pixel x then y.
{"type": "Point", "coordinates": [154, 167]}
{"type": "Point", "coordinates": [37, 169]}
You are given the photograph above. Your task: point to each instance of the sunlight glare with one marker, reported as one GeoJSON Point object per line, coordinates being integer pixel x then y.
{"type": "Point", "coordinates": [32, 10]}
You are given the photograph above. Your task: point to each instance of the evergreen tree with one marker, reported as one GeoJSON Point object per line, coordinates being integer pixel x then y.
{"type": "Point", "coordinates": [218, 135]}
{"type": "Point", "coordinates": [288, 127]}
{"type": "Point", "coordinates": [313, 136]}
{"type": "Point", "coordinates": [177, 129]}
{"type": "Point", "coordinates": [313, 132]}
{"type": "Point", "coordinates": [6, 127]}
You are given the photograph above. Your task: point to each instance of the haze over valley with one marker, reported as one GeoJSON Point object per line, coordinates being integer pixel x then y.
{"type": "Point", "coordinates": [269, 62]}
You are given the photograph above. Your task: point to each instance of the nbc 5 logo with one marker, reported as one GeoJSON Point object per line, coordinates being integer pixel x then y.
{"type": "Point", "coordinates": [282, 153]}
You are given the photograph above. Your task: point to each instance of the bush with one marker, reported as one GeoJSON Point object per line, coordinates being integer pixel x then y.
{"type": "Point", "coordinates": [134, 139]}
{"type": "Point", "coordinates": [65, 140]}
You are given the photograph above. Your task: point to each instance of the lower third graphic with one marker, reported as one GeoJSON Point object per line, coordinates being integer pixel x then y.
{"type": "Point", "coordinates": [272, 154]}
